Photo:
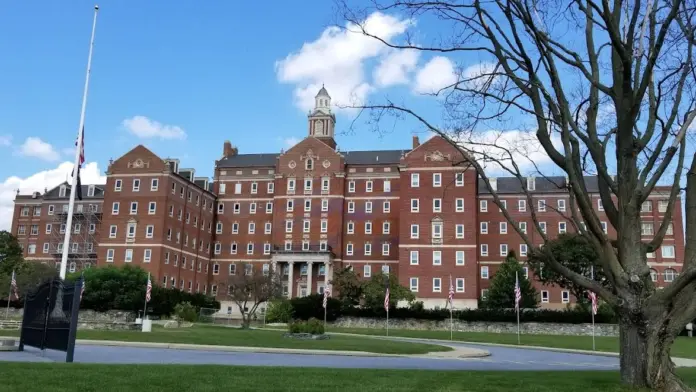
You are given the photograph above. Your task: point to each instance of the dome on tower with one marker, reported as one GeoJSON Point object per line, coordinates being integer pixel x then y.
{"type": "Point", "coordinates": [323, 93]}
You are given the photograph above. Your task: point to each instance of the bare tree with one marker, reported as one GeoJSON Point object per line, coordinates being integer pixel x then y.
{"type": "Point", "coordinates": [251, 287]}
{"type": "Point", "coordinates": [606, 89]}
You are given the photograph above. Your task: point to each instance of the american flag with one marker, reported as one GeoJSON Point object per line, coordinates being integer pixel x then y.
{"type": "Point", "coordinates": [518, 293]}
{"type": "Point", "coordinates": [451, 293]}
{"type": "Point", "coordinates": [386, 299]}
{"type": "Point", "coordinates": [82, 161]}
{"type": "Point", "coordinates": [82, 290]}
{"type": "Point", "coordinates": [13, 286]}
{"type": "Point", "coordinates": [82, 147]}
{"type": "Point", "coordinates": [327, 294]}
{"type": "Point", "coordinates": [148, 292]}
{"type": "Point", "coordinates": [593, 298]}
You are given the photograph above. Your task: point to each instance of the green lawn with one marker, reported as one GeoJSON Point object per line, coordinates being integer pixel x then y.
{"type": "Point", "coordinates": [226, 336]}
{"type": "Point", "coordinates": [684, 347]}
{"type": "Point", "coordinates": [40, 377]}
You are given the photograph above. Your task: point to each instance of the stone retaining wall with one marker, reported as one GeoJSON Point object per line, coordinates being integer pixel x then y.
{"type": "Point", "coordinates": [111, 316]}
{"type": "Point", "coordinates": [479, 326]}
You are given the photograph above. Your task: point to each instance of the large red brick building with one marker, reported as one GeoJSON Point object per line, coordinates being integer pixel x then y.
{"type": "Point", "coordinates": [421, 213]}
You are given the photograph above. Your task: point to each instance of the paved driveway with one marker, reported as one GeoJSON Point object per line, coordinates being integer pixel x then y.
{"type": "Point", "coordinates": [501, 359]}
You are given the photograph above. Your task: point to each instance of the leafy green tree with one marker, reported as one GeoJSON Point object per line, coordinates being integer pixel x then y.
{"type": "Point", "coordinates": [501, 294]}
{"type": "Point", "coordinates": [575, 253]}
{"type": "Point", "coordinates": [113, 287]}
{"type": "Point", "coordinates": [29, 275]}
{"type": "Point", "coordinates": [347, 287]}
{"type": "Point", "coordinates": [279, 311]}
{"type": "Point", "coordinates": [373, 291]}
{"type": "Point", "coordinates": [11, 257]}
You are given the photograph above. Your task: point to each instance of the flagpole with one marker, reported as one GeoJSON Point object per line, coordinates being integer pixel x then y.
{"type": "Point", "coordinates": [9, 298]}
{"type": "Point", "coordinates": [145, 308]}
{"type": "Point", "coordinates": [387, 321]}
{"type": "Point", "coordinates": [451, 308]}
{"type": "Point", "coordinates": [592, 310]}
{"type": "Point", "coordinates": [517, 282]}
{"type": "Point", "coordinates": [71, 204]}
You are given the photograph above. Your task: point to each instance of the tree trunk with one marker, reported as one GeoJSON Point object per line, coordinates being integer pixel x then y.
{"type": "Point", "coordinates": [246, 320]}
{"type": "Point", "coordinates": [644, 358]}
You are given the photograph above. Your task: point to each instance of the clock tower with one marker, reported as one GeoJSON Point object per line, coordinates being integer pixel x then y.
{"type": "Point", "coordinates": [321, 119]}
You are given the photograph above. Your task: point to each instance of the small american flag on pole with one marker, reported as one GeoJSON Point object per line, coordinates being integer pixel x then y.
{"type": "Point", "coordinates": [13, 286]}
{"type": "Point", "coordinates": [451, 293]}
{"type": "Point", "coordinates": [593, 298]}
{"type": "Point", "coordinates": [148, 292]}
{"type": "Point", "coordinates": [327, 294]}
{"type": "Point", "coordinates": [82, 290]}
{"type": "Point", "coordinates": [386, 299]}
{"type": "Point", "coordinates": [518, 292]}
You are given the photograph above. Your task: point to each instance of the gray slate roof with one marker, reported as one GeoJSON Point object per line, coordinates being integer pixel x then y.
{"type": "Point", "coordinates": [352, 158]}
{"type": "Point", "coordinates": [554, 184]}
{"type": "Point", "coordinates": [54, 194]}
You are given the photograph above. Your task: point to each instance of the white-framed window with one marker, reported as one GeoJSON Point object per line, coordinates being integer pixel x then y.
{"type": "Point", "coordinates": [662, 205]}
{"type": "Point", "coordinates": [350, 227]}
{"type": "Point", "coordinates": [235, 228]}
{"type": "Point", "coordinates": [484, 249]}
{"type": "Point", "coordinates": [368, 249]}
{"type": "Point", "coordinates": [523, 249]}
{"type": "Point", "coordinates": [266, 248]}
{"type": "Point", "coordinates": [437, 257]}
{"type": "Point", "coordinates": [254, 188]}
{"type": "Point", "coordinates": [484, 272]}
{"type": "Point", "coordinates": [414, 231]}
{"type": "Point", "coordinates": [437, 180]}
{"type": "Point", "coordinates": [306, 226]}
{"type": "Point", "coordinates": [154, 184]}
{"type": "Point", "coordinates": [368, 207]}
{"type": "Point", "coordinates": [600, 205]}
{"type": "Point", "coordinates": [270, 187]}
{"type": "Point", "coordinates": [459, 257]}
{"type": "Point", "coordinates": [147, 255]}
{"type": "Point", "coordinates": [51, 209]}
{"type": "Point", "coordinates": [222, 188]}
{"type": "Point", "coordinates": [351, 207]}
{"type": "Point", "coordinates": [128, 256]}
{"type": "Point", "coordinates": [502, 227]}
{"type": "Point", "coordinates": [562, 226]}
{"type": "Point", "coordinates": [110, 255]}
{"type": "Point", "coordinates": [233, 248]}
{"type": "Point", "coordinates": [152, 208]}
{"type": "Point", "coordinates": [290, 205]}
{"type": "Point", "coordinates": [324, 226]}
{"type": "Point", "coordinates": [308, 205]}
{"type": "Point", "coordinates": [604, 227]}
{"type": "Point", "coordinates": [415, 206]}
{"type": "Point", "coordinates": [250, 248]}
{"type": "Point", "coordinates": [385, 228]}
{"type": "Point", "coordinates": [503, 250]}
{"type": "Point", "coordinates": [252, 207]}
{"type": "Point", "coordinates": [668, 251]}
{"type": "Point", "coordinates": [437, 285]}
{"type": "Point", "coordinates": [324, 205]}
{"type": "Point", "coordinates": [308, 184]}
{"type": "Point", "coordinates": [351, 186]}
{"type": "Point", "coordinates": [646, 228]}
{"type": "Point", "coordinates": [252, 228]}
{"type": "Point", "coordinates": [114, 208]}
{"type": "Point", "coordinates": [349, 249]}
{"type": "Point", "coordinates": [386, 186]}
{"type": "Point", "coordinates": [134, 208]}
{"type": "Point", "coordinates": [218, 228]}
{"type": "Point", "coordinates": [565, 296]}
{"type": "Point", "coordinates": [522, 205]}
{"type": "Point", "coordinates": [459, 179]}
{"type": "Point", "coordinates": [437, 205]}
{"type": "Point", "coordinates": [291, 185]}
{"type": "Point", "coordinates": [669, 275]}
{"type": "Point", "coordinates": [414, 257]}
{"type": "Point", "coordinates": [646, 206]}
{"type": "Point", "coordinates": [459, 231]}
{"type": "Point", "coordinates": [544, 296]}
{"type": "Point", "coordinates": [670, 229]}
{"type": "Point", "coordinates": [367, 270]}
{"type": "Point", "coordinates": [269, 207]}
{"type": "Point", "coordinates": [523, 227]}
{"type": "Point", "coordinates": [325, 182]}
{"type": "Point", "coordinates": [136, 185]}
{"type": "Point", "coordinates": [415, 180]}
{"type": "Point", "coordinates": [483, 227]}
{"type": "Point", "coordinates": [542, 226]}
{"type": "Point", "coordinates": [483, 205]}
{"type": "Point", "coordinates": [541, 205]}
{"type": "Point", "coordinates": [459, 205]}
{"type": "Point", "coordinates": [149, 231]}
{"type": "Point", "coordinates": [437, 230]}
{"type": "Point", "coordinates": [118, 185]}
{"type": "Point", "coordinates": [386, 206]}
{"type": "Point", "coordinates": [385, 249]}
{"type": "Point", "coordinates": [288, 226]}
{"type": "Point", "coordinates": [46, 247]}
{"type": "Point", "coordinates": [131, 229]}
{"type": "Point", "coordinates": [368, 186]}
{"type": "Point", "coordinates": [267, 228]}
{"type": "Point", "coordinates": [413, 284]}
{"type": "Point", "coordinates": [561, 205]}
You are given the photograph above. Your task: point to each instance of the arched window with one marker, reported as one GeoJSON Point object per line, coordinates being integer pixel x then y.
{"type": "Point", "coordinates": [309, 164]}
{"type": "Point", "coordinates": [653, 275]}
{"type": "Point", "coordinates": [670, 274]}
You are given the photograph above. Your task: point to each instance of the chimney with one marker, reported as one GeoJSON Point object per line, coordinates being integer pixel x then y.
{"type": "Point", "coordinates": [416, 142]}
{"type": "Point", "coordinates": [228, 150]}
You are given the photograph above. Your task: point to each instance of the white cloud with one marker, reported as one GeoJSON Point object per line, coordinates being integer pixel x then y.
{"type": "Point", "coordinates": [435, 75]}
{"type": "Point", "coordinates": [5, 140]}
{"type": "Point", "coordinates": [146, 128]}
{"type": "Point", "coordinates": [395, 68]}
{"type": "Point", "coordinates": [480, 77]}
{"type": "Point", "coordinates": [37, 148]}
{"type": "Point", "coordinates": [337, 59]}
{"type": "Point", "coordinates": [90, 174]}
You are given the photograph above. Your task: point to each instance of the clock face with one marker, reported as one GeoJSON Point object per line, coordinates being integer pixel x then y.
{"type": "Point", "coordinates": [319, 128]}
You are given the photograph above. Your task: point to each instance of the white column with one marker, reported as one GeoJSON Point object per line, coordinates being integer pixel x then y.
{"type": "Point", "coordinates": [290, 279]}
{"type": "Point", "coordinates": [309, 278]}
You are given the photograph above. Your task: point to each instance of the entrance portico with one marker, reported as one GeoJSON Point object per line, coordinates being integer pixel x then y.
{"type": "Point", "coordinates": [302, 283]}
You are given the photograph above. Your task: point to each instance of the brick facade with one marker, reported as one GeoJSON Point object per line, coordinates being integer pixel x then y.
{"type": "Point", "coordinates": [421, 213]}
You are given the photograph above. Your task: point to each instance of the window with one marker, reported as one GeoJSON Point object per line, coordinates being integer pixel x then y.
{"type": "Point", "coordinates": [414, 231]}
{"type": "Point", "coordinates": [670, 229]}
{"type": "Point", "coordinates": [252, 208]}
{"type": "Point", "coordinates": [216, 269]}
{"type": "Point", "coordinates": [562, 227]}
{"type": "Point", "coordinates": [668, 251]}
{"type": "Point", "coordinates": [46, 247]}
{"type": "Point", "coordinates": [129, 255]}
{"type": "Point", "coordinates": [291, 185]}
{"type": "Point", "coordinates": [131, 228]}
{"type": "Point", "coordinates": [541, 205]}
{"type": "Point", "coordinates": [308, 205]}
{"type": "Point", "coordinates": [385, 249]}
{"type": "Point", "coordinates": [32, 249]}
{"type": "Point", "coordinates": [503, 227]}
{"type": "Point", "coordinates": [110, 255]}
{"type": "Point", "coordinates": [414, 257]}
{"type": "Point", "coordinates": [368, 186]}
{"type": "Point", "coordinates": [604, 227]}
{"type": "Point", "coordinates": [233, 248]}
{"type": "Point", "coordinates": [349, 249]}
{"type": "Point", "coordinates": [484, 227]}
{"type": "Point", "coordinates": [600, 206]}
{"type": "Point", "coordinates": [324, 226]}
{"type": "Point", "coordinates": [236, 208]}
{"type": "Point", "coordinates": [386, 206]}
{"type": "Point", "coordinates": [385, 228]}
{"type": "Point", "coordinates": [662, 205]}
{"type": "Point", "coordinates": [351, 207]}
{"type": "Point", "coordinates": [308, 184]}
{"type": "Point", "coordinates": [325, 184]}
{"type": "Point", "coordinates": [252, 228]}
{"type": "Point", "coordinates": [118, 184]}
{"type": "Point", "coordinates": [437, 285]}
{"type": "Point", "coordinates": [459, 179]}
{"type": "Point", "coordinates": [459, 257]}
{"type": "Point", "coordinates": [149, 231]}
{"type": "Point", "coordinates": [483, 205]}
{"type": "Point", "coordinates": [670, 274]}
{"type": "Point", "coordinates": [114, 208]}
{"type": "Point", "coordinates": [269, 207]}
{"type": "Point", "coordinates": [459, 283]}
{"type": "Point", "coordinates": [368, 207]}
{"type": "Point", "coordinates": [267, 228]}
{"type": "Point", "coordinates": [413, 283]}
{"type": "Point", "coordinates": [437, 257]}
{"type": "Point", "coordinates": [61, 193]}
{"type": "Point", "coordinates": [368, 249]}
{"type": "Point", "coordinates": [522, 205]}
{"type": "Point", "coordinates": [218, 228]}
{"type": "Point", "coordinates": [324, 205]}
{"type": "Point", "coordinates": [309, 164]}
{"type": "Point", "coordinates": [647, 206]}
{"type": "Point", "coordinates": [523, 227]}
{"type": "Point", "coordinates": [459, 231]}
{"type": "Point", "coordinates": [544, 297]}
{"type": "Point", "coordinates": [133, 207]}
{"type": "Point", "coordinates": [250, 248]}
{"type": "Point", "coordinates": [523, 249]}
{"type": "Point", "coordinates": [351, 186]}
{"type": "Point", "coordinates": [415, 180]}
{"type": "Point", "coordinates": [484, 272]}
{"type": "Point", "coordinates": [350, 228]}
{"type": "Point", "coordinates": [387, 186]}
{"type": "Point", "coordinates": [147, 255]}
{"type": "Point", "coordinates": [136, 185]}
{"type": "Point", "coordinates": [306, 226]}
{"type": "Point", "coordinates": [235, 228]}
{"type": "Point", "coordinates": [503, 203]}
{"type": "Point", "coordinates": [288, 226]}
{"type": "Point", "coordinates": [154, 184]}
{"type": "Point", "coordinates": [503, 250]}
{"type": "Point", "coordinates": [459, 205]}
{"type": "Point", "coordinates": [561, 205]}
{"type": "Point", "coordinates": [152, 208]}
{"type": "Point", "coordinates": [51, 209]}
{"type": "Point", "coordinates": [646, 228]}
{"type": "Point", "coordinates": [437, 180]}
{"type": "Point", "coordinates": [290, 206]}
{"type": "Point", "coordinates": [233, 269]}
{"type": "Point", "coordinates": [270, 187]}
{"type": "Point", "coordinates": [484, 249]}
{"type": "Point", "coordinates": [254, 188]}
{"type": "Point", "coordinates": [414, 205]}
{"type": "Point", "coordinates": [565, 296]}
{"type": "Point", "coordinates": [653, 275]}
{"type": "Point", "coordinates": [542, 225]}
{"type": "Point", "coordinates": [323, 246]}
{"type": "Point", "coordinates": [437, 205]}
{"type": "Point", "coordinates": [437, 230]}
{"type": "Point", "coordinates": [367, 270]}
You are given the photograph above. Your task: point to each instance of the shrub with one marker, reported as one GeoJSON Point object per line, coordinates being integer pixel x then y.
{"type": "Point", "coordinates": [312, 326]}
{"type": "Point", "coordinates": [184, 311]}
{"type": "Point", "coordinates": [311, 306]}
{"type": "Point", "coordinates": [279, 311]}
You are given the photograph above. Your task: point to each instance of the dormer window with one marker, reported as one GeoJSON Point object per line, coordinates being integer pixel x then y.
{"type": "Point", "coordinates": [62, 191]}
{"type": "Point", "coordinates": [90, 191]}
{"type": "Point", "coordinates": [309, 164]}
{"type": "Point", "coordinates": [531, 183]}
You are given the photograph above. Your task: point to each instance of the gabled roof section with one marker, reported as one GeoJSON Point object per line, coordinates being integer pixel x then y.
{"type": "Point", "coordinates": [248, 160]}
{"type": "Point", "coordinates": [54, 193]}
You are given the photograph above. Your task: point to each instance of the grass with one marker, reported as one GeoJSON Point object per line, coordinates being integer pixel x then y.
{"type": "Point", "coordinates": [226, 336]}
{"type": "Point", "coordinates": [39, 377]}
{"type": "Point", "coordinates": [683, 347]}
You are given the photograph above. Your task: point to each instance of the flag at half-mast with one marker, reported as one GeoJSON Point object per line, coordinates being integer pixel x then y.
{"type": "Point", "coordinates": [518, 292]}
{"type": "Point", "coordinates": [327, 294]}
{"type": "Point", "coordinates": [13, 286]}
{"type": "Point", "coordinates": [79, 166]}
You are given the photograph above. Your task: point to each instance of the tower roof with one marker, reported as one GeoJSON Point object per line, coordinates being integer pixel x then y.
{"type": "Point", "coordinates": [323, 92]}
